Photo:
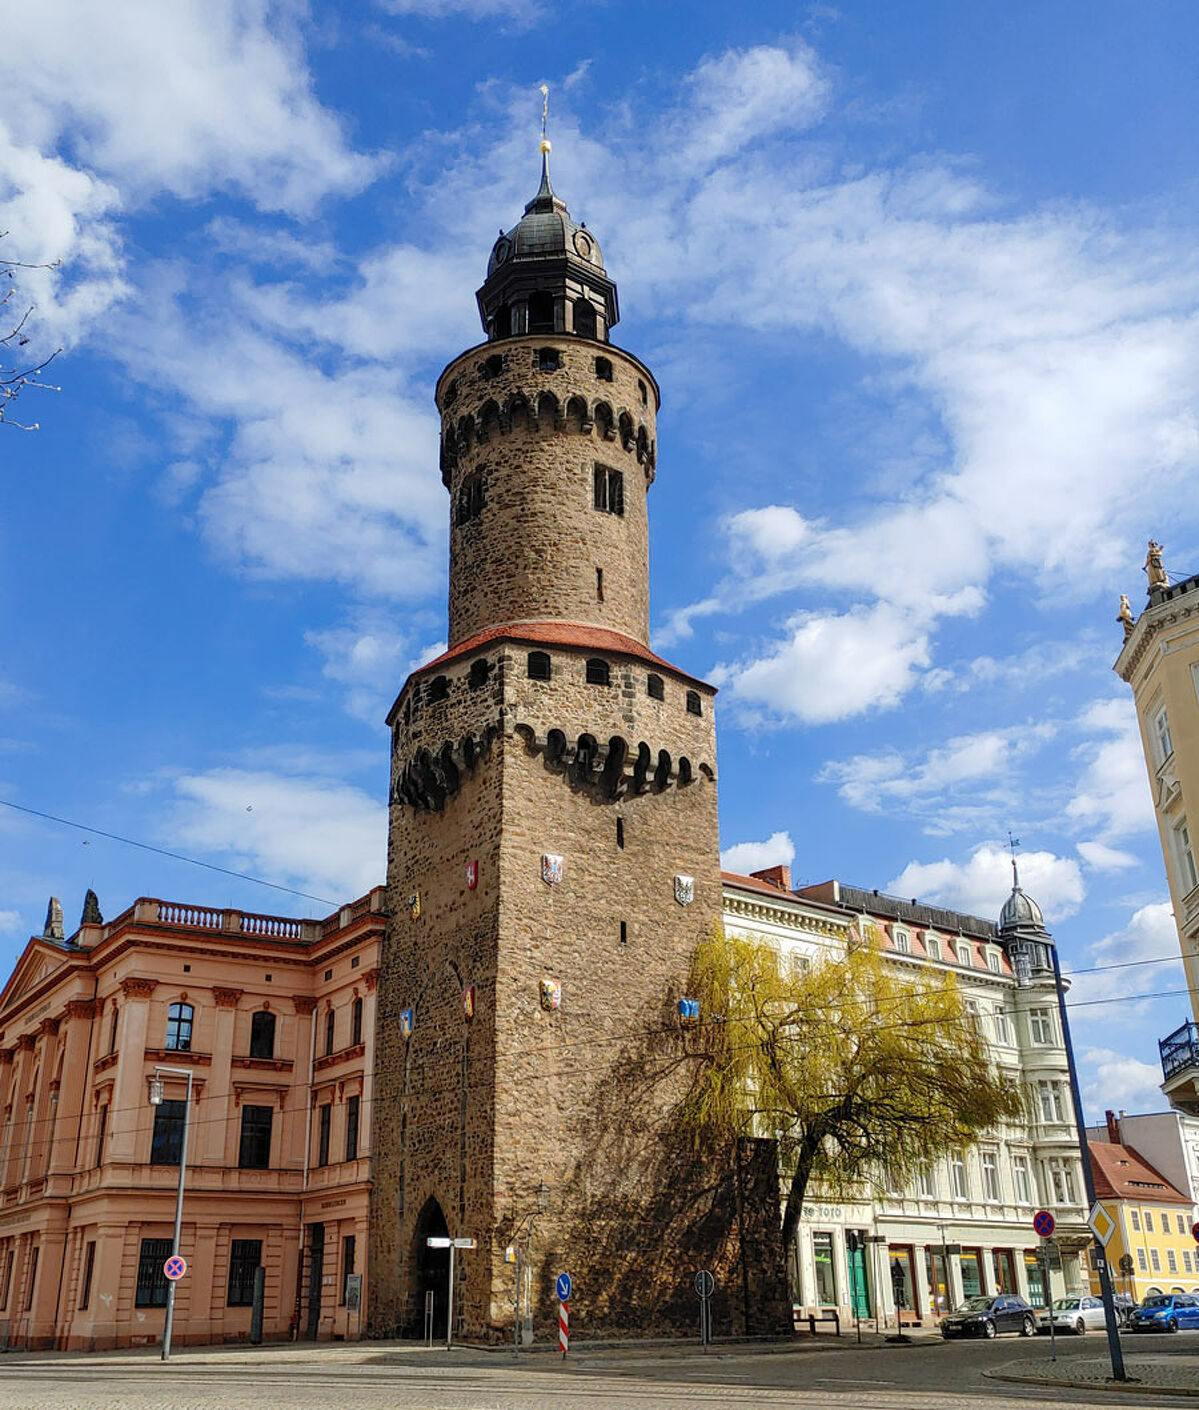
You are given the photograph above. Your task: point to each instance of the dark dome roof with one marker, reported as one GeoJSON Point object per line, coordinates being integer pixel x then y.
{"type": "Point", "coordinates": [545, 231]}
{"type": "Point", "coordinates": [1020, 912]}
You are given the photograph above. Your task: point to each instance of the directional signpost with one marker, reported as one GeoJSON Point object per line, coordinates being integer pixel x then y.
{"type": "Point", "coordinates": [453, 1245]}
{"type": "Point", "coordinates": [563, 1286]}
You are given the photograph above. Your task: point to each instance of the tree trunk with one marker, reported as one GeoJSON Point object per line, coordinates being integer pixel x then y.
{"type": "Point", "coordinates": [799, 1188]}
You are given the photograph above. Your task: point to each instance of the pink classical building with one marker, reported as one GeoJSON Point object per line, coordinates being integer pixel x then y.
{"type": "Point", "coordinates": [274, 1020]}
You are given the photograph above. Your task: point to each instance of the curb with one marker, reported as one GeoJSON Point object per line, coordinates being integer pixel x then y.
{"type": "Point", "coordinates": [1132, 1387]}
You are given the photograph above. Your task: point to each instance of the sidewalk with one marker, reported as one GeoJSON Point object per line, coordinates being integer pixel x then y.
{"type": "Point", "coordinates": [1154, 1375]}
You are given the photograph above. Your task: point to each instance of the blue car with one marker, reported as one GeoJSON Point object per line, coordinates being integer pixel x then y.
{"type": "Point", "coordinates": [1165, 1312]}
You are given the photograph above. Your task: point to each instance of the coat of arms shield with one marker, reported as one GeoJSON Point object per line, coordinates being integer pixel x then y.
{"type": "Point", "coordinates": [684, 890]}
{"type": "Point", "coordinates": [551, 868]}
{"type": "Point", "coordinates": [551, 994]}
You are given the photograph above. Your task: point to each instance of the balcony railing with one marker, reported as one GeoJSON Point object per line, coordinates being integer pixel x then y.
{"type": "Point", "coordinates": [1180, 1050]}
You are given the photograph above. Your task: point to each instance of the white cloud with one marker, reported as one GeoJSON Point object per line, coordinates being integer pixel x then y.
{"type": "Point", "coordinates": [372, 659]}
{"type": "Point", "coordinates": [770, 534]}
{"type": "Point", "coordinates": [1113, 789]}
{"type": "Point", "coordinates": [1117, 1082]}
{"type": "Point", "coordinates": [746, 857]}
{"type": "Point", "coordinates": [979, 767]}
{"type": "Point", "coordinates": [312, 832]}
{"type": "Point", "coordinates": [11, 923]}
{"type": "Point", "coordinates": [835, 666]}
{"type": "Point", "coordinates": [1104, 858]}
{"type": "Point", "coordinates": [471, 9]}
{"type": "Point", "coordinates": [187, 98]}
{"type": "Point", "coordinates": [982, 883]}
{"type": "Point", "coordinates": [1141, 957]}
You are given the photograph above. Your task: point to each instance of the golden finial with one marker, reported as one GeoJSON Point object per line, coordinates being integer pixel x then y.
{"type": "Point", "coordinates": [545, 112]}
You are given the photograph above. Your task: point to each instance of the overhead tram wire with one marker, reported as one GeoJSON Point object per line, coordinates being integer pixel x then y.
{"type": "Point", "coordinates": [162, 852]}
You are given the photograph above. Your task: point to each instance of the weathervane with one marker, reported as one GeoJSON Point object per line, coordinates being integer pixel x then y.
{"type": "Point", "coordinates": [545, 112]}
{"type": "Point", "coordinates": [1013, 843]}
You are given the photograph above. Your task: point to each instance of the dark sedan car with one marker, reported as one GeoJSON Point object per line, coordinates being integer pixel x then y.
{"type": "Point", "coordinates": [988, 1316]}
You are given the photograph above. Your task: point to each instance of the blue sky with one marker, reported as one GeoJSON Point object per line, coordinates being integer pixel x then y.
{"type": "Point", "coordinates": [919, 284]}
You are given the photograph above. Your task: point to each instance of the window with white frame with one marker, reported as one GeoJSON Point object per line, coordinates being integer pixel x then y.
{"type": "Point", "coordinates": [1182, 1223]}
{"type": "Point", "coordinates": [1149, 1222]}
{"type": "Point", "coordinates": [993, 961]}
{"type": "Point", "coordinates": [926, 1182]}
{"type": "Point", "coordinates": [1161, 735]}
{"type": "Point", "coordinates": [1135, 1215]}
{"type": "Point", "coordinates": [1061, 1177]}
{"type": "Point", "coordinates": [1171, 1261]}
{"type": "Point", "coordinates": [957, 1174]}
{"type": "Point", "coordinates": [1186, 1261]}
{"type": "Point", "coordinates": [990, 1167]}
{"type": "Point", "coordinates": [1023, 1179]}
{"type": "Point", "coordinates": [1155, 1260]}
{"type": "Point", "coordinates": [1003, 1029]}
{"type": "Point", "coordinates": [932, 946]}
{"type": "Point", "coordinates": [1050, 1097]}
{"type": "Point", "coordinates": [902, 943]}
{"type": "Point", "coordinates": [1142, 1261]}
{"type": "Point", "coordinates": [1040, 1026]}
{"type": "Point", "coordinates": [1187, 870]}
{"type": "Point", "coordinates": [961, 952]}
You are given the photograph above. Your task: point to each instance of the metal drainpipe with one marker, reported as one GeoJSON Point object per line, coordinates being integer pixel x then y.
{"type": "Point", "coordinates": [304, 1178]}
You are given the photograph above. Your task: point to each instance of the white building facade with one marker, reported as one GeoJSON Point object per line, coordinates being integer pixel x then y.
{"type": "Point", "coordinates": [904, 1257]}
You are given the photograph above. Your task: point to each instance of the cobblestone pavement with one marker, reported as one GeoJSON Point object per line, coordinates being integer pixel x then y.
{"type": "Point", "coordinates": [806, 1376]}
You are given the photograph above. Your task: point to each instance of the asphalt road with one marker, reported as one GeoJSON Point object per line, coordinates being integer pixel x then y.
{"type": "Point", "coordinates": [830, 1376]}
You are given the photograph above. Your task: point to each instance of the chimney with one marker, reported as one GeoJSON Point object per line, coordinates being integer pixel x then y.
{"type": "Point", "coordinates": [1113, 1128]}
{"type": "Point", "coordinates": [775, 876]}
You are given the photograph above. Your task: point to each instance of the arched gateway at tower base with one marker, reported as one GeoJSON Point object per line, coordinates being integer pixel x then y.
{"type": "Point", "coordinates": [553, 864]}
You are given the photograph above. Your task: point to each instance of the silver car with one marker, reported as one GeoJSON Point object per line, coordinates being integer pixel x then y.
{"type": "Point", "coordinates": [1073, 1314]}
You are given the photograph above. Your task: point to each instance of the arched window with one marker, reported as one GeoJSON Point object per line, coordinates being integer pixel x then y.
{"type": "Point", "coordinates": [356, 1023]}
{"type": "Point", "coordinates": [626, 430]}
{"type": "Point", "coordinates": [654, 687]}
{"type": "Point", "coordinates": [576, 414]}
{"type": "Point", "coordinates": [684, 771]}
{"type": "Point", "coordinates": [439, 689]}
{"type": "Point", "coordinates": [330, 1027]}
{"type": "Point", "coordinates": [598, 672]}
{"type": "Point", "coordinates": [539, 665]}
{"type": "Point", "coordinates": [603, 369]}
{"type": "Point", "coordinates": [179, 1027]}
{"type": "Point", "coordinates": [694, 704]}
{"type": "Point", "coordinates": [480, 671]}
{"type": "Point", "coordinates": [541, 312]}
{"type": "Point", "coordinates": [584, 318]}
{"type": "Point", "coordinates": [603, 420]}
{"type": "Point", "coordinates": [644, 390]}
{"type": "Point", "coordinates": [262, 1034]}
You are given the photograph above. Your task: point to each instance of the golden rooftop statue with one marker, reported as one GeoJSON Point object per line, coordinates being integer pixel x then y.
{"type": "Point", "coordinates": [1153, 567]}
{"type": "Point", "coordinates": [1125, 617]}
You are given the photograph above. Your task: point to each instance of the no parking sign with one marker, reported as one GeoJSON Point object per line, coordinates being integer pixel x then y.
{"type": "Point", "coordinates": [175, 1267]}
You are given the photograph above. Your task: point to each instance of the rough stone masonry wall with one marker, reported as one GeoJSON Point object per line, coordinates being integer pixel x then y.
{"type": "Point", "coordinates": [533, 550]}
{"type": "Point", "coordinates": [432, 1111]}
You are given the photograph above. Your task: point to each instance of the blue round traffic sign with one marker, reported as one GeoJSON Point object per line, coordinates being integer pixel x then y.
{"type": "Point", "coordinates": [175, 1267]}
{"type": "Point", "coordinates": [1044, 1223]}
{"type": "Point", "coordinates": [563, 1286]}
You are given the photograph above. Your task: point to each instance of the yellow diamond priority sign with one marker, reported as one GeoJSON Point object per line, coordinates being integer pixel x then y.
{"type": "Point", "coordinates": [1103, 1226]}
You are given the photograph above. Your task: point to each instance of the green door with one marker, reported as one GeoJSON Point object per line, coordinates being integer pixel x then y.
{"type": "Point", "coordinates": [859, 1287]}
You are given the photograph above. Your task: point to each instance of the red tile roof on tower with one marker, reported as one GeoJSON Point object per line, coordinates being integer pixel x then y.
{"type": "Point", "coordinates": [1120, 1173]}
{"type": "Point", "coordinates": [555, 634]}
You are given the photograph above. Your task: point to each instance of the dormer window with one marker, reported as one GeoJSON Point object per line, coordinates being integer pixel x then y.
{"type": "Point", "coordinates": [902, 943]}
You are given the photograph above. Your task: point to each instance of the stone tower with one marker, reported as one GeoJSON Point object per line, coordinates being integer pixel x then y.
{"type": "Point", "coordinates": [553, 860]}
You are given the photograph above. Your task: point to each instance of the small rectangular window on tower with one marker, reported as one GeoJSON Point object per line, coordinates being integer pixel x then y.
{"type": "Point", "coordinates": [608, 488]}
{"type": "Point", "coordinates": [599, 584]}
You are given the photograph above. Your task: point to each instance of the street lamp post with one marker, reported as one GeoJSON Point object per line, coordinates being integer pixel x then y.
{"type": "Point", "coordinates": [156, 1089]}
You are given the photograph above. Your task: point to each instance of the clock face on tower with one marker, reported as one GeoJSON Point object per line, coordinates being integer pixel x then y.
{"type": "Point", "coordinates": [501, 251]}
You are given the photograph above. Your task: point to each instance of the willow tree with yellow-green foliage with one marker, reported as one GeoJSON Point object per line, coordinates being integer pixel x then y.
{"type": "Point", "coordinates": [857, 1066]}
